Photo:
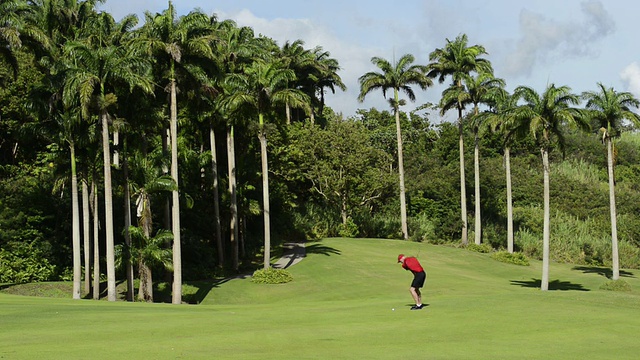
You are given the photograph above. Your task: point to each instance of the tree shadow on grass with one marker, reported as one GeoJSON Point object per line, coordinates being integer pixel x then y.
{"type": "Point", "coordinates": [553, 285]}
{"type": "Point", "coordinates": [322, 250]}
{"type": "Point", "coordinates": [606, 272]}
{"type": "Point", "coordinates": [205, 286]}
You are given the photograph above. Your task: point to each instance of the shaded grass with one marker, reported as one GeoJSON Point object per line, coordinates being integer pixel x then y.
{"type": "Point", "coordinates": [339, 306]}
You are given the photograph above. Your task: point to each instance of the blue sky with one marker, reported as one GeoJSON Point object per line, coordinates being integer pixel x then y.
{"type": "Point", "coordinates": [533, 43]}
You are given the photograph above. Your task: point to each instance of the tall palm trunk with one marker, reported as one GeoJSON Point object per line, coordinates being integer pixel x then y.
{"type": "Point", "coordinates": [86, 227]}
{"type": "Point", "coordinates": [287, 109]}
{"type": "Point", "coordinates": [116, 152]}
{"type": "Point", "coordinates": [476, 178]}
{"type": "Point", "coordinates": [463, 191]}
{"type": "Point", "coordinates": [108, 210]}
{"type": "Point", "coordinates": [507, 162]}
{"type": "Point", "coordinates": [216, 196]}
{"type": "Point", "coordinates": [615, 261]}
{"type": "Point", "coordinates": [175, 204]}
{"type": "Point", "coordinates": [403, 201]}
{"type": "Point", "coordinates": [265, 196]}
{"type": "Point", "coordinates": [233, 225]}
{"type": "Point", "coordinates": [546, 228]}
{"type": "Point", "coordinates": [96, 239]}
{"type": "Point", "coordinates": [75, 221]}
{"type": "Point", "coordinates": [127, 225]}
{"type": "Point", "coordinates": [166, 140]}
{"type": "Point", "coordinates": [145, 290]}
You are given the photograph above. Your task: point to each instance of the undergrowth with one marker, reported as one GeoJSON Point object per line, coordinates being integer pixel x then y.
{"type": "Point", "coordinates": [516, 258]}
{"type": "Point", "coordinates": [616, 285]}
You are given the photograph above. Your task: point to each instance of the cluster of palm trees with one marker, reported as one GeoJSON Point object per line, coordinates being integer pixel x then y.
{"type": "Point", "coordinates": [544, 117]}
{"type": "Point", "coordinates": [126, 82]}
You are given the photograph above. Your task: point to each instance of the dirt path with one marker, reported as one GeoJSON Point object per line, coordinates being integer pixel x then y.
{"type": "Point", "coordinates": [293, 254]}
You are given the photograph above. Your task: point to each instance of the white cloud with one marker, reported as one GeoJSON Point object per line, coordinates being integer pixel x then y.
{"type": "Point", "coordinates": [354, 60]}
{"type": "Point", "coordinates": [544, 40]}
{"type": "Point", "coordinates": [630, 75]}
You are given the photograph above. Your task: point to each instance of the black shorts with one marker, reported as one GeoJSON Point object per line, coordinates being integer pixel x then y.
{"type": "Point", "coordinates": [418, 279]}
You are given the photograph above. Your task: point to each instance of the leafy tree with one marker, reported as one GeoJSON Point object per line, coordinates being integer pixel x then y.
{"type": "Point", "coordinates": [546, 115]}
{"type": "Point", "coordinates": [399, 77]}
{"type": "Point", "coordinates": [457, 60]}
{"type": "Point", "coordinates": [607, 109]}
{"type": "Point", "coordinates": [349, 174]}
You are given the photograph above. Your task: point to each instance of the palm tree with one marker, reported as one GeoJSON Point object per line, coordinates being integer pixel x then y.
{"type": "Point", "coordinates": [327, 76]}
{"type": "Point", "coordinates": [174, 41]}
{"type": "Point", "coordinates": [481, 89]}
{"type": "Point", "coordinates": [61, 22]}
{"type": "Point", "coordinates": [94, 71]}
{"type": "Point", "coordinates": [10, 23]}
{"type": "Point", "coordinates": [457, 59]}
{"type": "Point", "coordinates": [148, 180]}
{"type": "Point", "coordinates": [545, 116]}
{"type": "Point", "coordinates": [18, 27]}
{"type": "Point", "coordinates": [398, 77]}
{"type": "Point", "coordinates": [235, 46]}
{"type": "Point", "coordinates": [500, 120]}
{"type": "Point", "coordinates": [262, 87]}
{"type": "Point", "coordinates": [294, 56]}
{"type": "Point", "coordinates": [607, 109]}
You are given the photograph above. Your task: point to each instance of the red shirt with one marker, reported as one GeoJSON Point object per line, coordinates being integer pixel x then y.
{"type": "Point", "coordinates": [411, 263]}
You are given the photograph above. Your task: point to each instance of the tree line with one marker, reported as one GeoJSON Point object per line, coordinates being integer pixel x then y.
{"type": "Point", "coordinates": [103, 118]}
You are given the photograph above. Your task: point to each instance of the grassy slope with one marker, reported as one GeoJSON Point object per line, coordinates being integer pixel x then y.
{"type": "Point", "coordinates": [339, 306]}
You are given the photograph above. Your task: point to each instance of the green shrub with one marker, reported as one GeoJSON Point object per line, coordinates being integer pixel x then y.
{"type": "Point", "coordinates": [482, 248]}
{"type": "Point", "coordinates": [629, 255]}
{"type": "Point", "coordinates": [22, 266]}
{"type": "Point", "coordinates": [349, 230]}
{"type": "Point", "coordinates": [516, 258]}
{"type": "Point", "coordinates": [271, 276]}
{"type": "Point", "coordinates": [616, 285]}
{"type": "Point", "coordinates": [422, 228]}
{"type": "Point", "coordinates": [381, 226]}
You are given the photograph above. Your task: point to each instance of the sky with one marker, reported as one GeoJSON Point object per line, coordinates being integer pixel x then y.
{"type": "Point", "coordinates": [534, 43]}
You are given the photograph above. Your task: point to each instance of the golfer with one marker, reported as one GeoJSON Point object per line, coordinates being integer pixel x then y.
{"type": "Point", "coordinates": [419, 276]}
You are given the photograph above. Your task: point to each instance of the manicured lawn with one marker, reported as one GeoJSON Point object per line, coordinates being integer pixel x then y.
{"type": "Point", "coordinates": [340, 305]}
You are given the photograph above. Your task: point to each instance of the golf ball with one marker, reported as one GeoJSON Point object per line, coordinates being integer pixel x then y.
{"type": "Point", "coordinates": [393, 309]}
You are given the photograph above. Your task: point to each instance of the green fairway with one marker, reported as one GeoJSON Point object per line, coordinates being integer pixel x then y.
{"type": "Point", "coordinates": [339, 306]}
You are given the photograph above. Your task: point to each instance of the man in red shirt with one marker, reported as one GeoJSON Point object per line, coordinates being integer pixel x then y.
{"type": "Point", "coordinates": [419, 276]}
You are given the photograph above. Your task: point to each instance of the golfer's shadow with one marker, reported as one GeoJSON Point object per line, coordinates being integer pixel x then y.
{"type": "Point", "coordinates": [412, 304]}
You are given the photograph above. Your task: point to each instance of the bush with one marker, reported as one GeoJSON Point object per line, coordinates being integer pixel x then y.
{"type": "Point", "coordinates": [24, 267]}
{"type": "Point", "coordinates": [422, 228]}
{"type": "Point", "coordinates": [516, 258]}
{"type": "Point", "coordinates": [482, 248]}
{"type": "Point", "coordinates": [616, 285]}
{"type": "Point", "coordinates": [271, 276]}
{"type": "Point", "coordinates": [379, 226]}
{"type": "Point", "coordinates": [348, 230]}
